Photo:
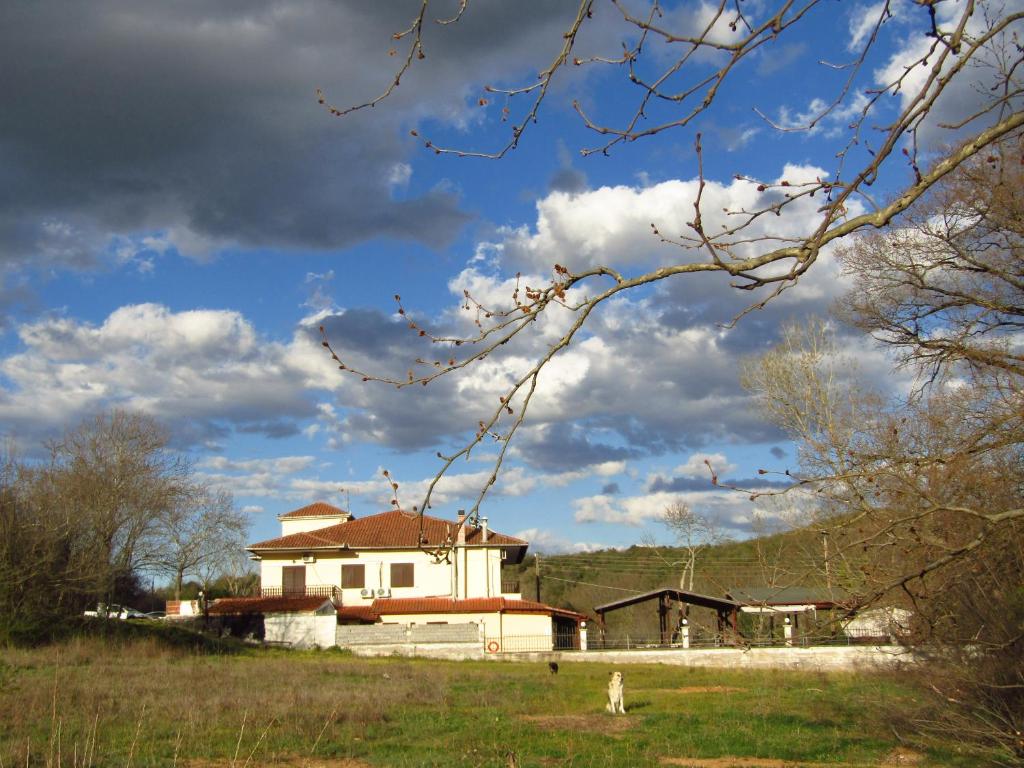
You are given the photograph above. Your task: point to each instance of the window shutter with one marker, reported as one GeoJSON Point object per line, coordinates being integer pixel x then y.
{"type": "Point", "coordinates": [402, 575]}
{"type": "Point", "coordinates": [353, 576]}
{"type": "Point", "coordinates": [293, 580]}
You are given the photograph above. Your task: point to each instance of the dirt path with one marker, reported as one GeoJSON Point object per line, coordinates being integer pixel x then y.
{"type": "Point", "coordinates": [898, 757]}
{"type": "Point", "coordinates": [589, 723]}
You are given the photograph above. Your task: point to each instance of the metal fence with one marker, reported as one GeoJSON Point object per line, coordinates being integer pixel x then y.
{"type": "Point", "coordinates": [519, 644]}
{"type": "Point", "coordinates": [508, 644]}
{"type": "Point", "coordinates": [626, 641]}
{"type": "Point", "coordinates": [310, 590]}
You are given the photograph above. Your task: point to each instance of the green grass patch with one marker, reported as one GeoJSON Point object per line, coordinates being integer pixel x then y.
{"type": "Point", "coordinates": [152, 700]}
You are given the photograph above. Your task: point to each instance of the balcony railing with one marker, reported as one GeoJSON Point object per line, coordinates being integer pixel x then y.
{"type": "Point", "coordinates": [311, 590]}
{"type": "Point", "coordinates": [510, 587]}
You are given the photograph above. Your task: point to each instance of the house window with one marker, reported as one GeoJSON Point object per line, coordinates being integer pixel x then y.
{"type": "Point", "coordinates": [401, 575]}
{"type": "Point", "coordinates": [293, 580]}
{"type": "Point", "coordinates": [353, 576]}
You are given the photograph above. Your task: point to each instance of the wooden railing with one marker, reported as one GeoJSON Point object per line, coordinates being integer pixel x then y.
{"type": "Point", "coordinates": [509, 587]}
{"type": "Point", "coordinates": [311, 590]}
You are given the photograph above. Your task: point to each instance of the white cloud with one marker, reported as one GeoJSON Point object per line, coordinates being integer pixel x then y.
{"type": "Point", "coordinates": [733, 512]}
{"type": "Point", "coordinates": [398, 176]}
{"type": "Point", "coordinates": [612, 225]}
{"type": "Point", "coordinates": [864, 18]}
{"type": "Point", "coordinates": [189, 369]}
{"type": "Point", "coordinates": [970, 91]}
{"type": "Point", "coordinates": [542, 540]}
{"type": "Point", "coordinates": [284, 465]}
{"type": "Point", "coordinates": [743, 139]}
{"type": "Point", "coordinates": [822, 116]}
{"type": "Point", "coordinates": [697, 465]}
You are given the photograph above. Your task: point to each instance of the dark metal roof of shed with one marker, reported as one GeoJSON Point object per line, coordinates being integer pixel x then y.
{"type": "Point", "coordinates": [693, 598]}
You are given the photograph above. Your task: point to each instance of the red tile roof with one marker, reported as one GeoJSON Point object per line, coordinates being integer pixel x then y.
{"type": "Point", "coordinates": [316, 509]}
{"type": "Point", "coordinates": [236, 605]}
{"type": "Point", "coordinates": [388, 530]}
{"type": "Point", "coordinates": [399, 605]}
{"type": "Point", "coordinates": [385, 607]}
{"type": "Point", "coordinates": [358, 612]}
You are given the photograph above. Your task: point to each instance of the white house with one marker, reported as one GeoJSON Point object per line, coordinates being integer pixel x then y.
{"type": "Point", "coordinates": [397, 568]}
{"type": "Point", "coordinates": [324, 550]}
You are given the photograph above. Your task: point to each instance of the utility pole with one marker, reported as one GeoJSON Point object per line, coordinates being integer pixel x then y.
{"type": "Point", "coordinates": [536, 563]}
{"type": "Point", "coordinates": [824, 544]}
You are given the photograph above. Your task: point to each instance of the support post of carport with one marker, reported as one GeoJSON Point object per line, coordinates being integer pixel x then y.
{"type": "Point", "coordinates": [663, 610]}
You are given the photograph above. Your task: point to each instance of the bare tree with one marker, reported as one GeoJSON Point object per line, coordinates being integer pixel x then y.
{"type": "Point", "coordinates": [40, 558]}
{"type": "Point", "coordinates": [117, 478]}
{"type": "Point", "coordinates": [238, 574]}
{"type": "Point", "coordinates": [677, 72]}
{"type": "Point", "coordinates": [694, 532]}
{"type": "Point", "coordinates": [921, 500]}
{"type": "Point", "coordinates": [944, 287]}
{"type": "Point", "coordinates": [112, 503]}
{"type": "Point", "coordinates": [201, 530]}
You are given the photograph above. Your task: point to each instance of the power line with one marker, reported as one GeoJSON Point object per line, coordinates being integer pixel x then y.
{"type": "Point", "coordinates": [665, 560]}
{"type": "Point", "coordinates": [791, 567]}
{"type": "Point", "coordinates": [589, 584]}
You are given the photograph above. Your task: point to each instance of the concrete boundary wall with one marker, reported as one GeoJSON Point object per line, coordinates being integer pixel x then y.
{"type": "Point", "coordinates": [827, 659]}
{"type": "Point", "coordinates": [391, 635]}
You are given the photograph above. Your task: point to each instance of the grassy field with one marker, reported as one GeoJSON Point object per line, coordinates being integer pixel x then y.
{"type": "Point", "coordinates": [121, 702]}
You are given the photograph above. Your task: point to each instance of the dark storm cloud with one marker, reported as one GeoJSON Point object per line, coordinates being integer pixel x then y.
{"type": "Point", "coordinates": [611, 489]}
{"type": "Point", "coordinates": [565, 447]}
{"type": "Point", "coordinates": [277, 428]}
{"type": "Point", "coordinates": [152, 115]}
{"type": "Point", "coordinates": [198, 121]}
{"type": "Point", "coordinates": [568, 180]}
{"type": "Point", "coordinates": [408, 419]}
{"type": "Point", "coordinates": [682, 484]}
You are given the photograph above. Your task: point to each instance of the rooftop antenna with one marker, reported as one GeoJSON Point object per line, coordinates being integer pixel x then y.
{"type": "Point", "coordinates": [348, 502]}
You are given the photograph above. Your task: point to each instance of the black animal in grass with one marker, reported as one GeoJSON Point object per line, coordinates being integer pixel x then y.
{"type": "Point", "coordinates": [553, 667]}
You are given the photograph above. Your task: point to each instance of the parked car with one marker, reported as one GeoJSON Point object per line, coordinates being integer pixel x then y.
{"type": "Point", "coordinates": [114, 611]}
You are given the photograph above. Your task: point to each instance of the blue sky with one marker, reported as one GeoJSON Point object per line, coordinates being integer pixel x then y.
{"type": "Point", "coordinates": [178, 215]}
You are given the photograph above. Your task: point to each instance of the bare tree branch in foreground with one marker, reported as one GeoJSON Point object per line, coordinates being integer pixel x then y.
{"type": "Point", "coordinates": [970, 44]}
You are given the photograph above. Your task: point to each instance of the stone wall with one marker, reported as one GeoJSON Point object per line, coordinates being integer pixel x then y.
{"type": "Point", "coordinates": [826, 659]}
{"type": "Point", "coordinates": [352, 635]}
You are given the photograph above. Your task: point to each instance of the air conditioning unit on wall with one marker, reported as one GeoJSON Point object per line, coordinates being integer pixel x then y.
{"type": "Point", "coordinates": [366, 593]}
{"type": "Point", "coordinates": [309, 559]}
{"type": "Point", "coordinates": [383, 592]}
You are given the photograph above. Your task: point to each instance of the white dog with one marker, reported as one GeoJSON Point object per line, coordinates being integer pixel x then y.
{"type": "Point", "coordinates": [616, 705]}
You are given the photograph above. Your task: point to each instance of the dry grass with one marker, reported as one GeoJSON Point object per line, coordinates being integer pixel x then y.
{"type": "Point", "coordinates": [86, 697]}
{"type": "Point", "coordinates": [97, 702]}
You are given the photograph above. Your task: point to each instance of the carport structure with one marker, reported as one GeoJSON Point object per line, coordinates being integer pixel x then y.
{"type": "Point", "coordinates": [726, 610]}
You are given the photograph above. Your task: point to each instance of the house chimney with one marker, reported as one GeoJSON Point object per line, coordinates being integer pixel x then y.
{"type": "Point", "coordinates": [483, 529]}
{"type": "Point", "coordinates": [461, 536]}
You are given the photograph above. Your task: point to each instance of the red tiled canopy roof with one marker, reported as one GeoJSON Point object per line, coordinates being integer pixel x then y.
{"type": "Point", "coordinates": [393, 606]}
{"type": "Point", "coordinates": [358, 612]}
{"type": "Point", "coordinates": [397, 605]}
{"type": "Point", "coordinates": [388, 530]}
{"type": "Point", "coordinates": [316, 509]}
